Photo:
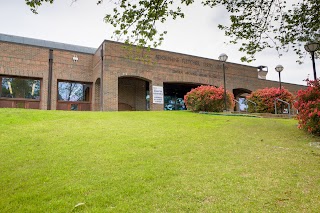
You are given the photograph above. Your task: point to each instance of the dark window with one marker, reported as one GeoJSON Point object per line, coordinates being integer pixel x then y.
{"type": "Point", "coordinates": [15, 87]}
{"type": "Point", "coordinates": [73, 91]}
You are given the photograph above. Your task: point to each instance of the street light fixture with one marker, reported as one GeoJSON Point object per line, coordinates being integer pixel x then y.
{"type": "Point", "coordinates": [312, 47]}
{"type": "Point", "coordinates": [279, 69]}
{"type": "Point", "coordinates": [223, 57]}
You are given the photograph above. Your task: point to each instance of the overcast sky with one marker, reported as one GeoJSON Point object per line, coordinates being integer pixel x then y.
{"type": "Point", "coordinates": [81, 23]}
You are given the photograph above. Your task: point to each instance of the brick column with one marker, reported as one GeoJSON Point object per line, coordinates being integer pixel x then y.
{"type": "Point", "coordinates": [44, 91]}
{"type": "Point", "coordinates": [95, 95]}
{"type": "Point", "coordinates": [110, 92]}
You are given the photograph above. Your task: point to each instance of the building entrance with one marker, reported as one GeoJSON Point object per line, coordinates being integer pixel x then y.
{"type": "Point", "coordinates": [133, 94]}
{"type": "Point", "coordinates": [174, 94]}
{"type": "Point", "coordinates": [240, 95]}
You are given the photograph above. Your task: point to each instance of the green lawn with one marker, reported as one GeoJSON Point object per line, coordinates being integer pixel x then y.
{"type": "Point", "coordinates": [50, 161]}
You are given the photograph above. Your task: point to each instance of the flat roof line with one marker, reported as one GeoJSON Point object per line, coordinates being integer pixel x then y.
{"type": "Point", "coordinates": [182, 54]}
{"type": "Point", "coordinates": [46, 44]}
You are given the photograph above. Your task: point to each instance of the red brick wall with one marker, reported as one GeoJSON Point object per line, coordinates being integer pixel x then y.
{"type": "Point", "coordinates": [154, 66]}
{"type": "Point", "coordinates": [160, 66]}
{"type": "Point", "coordinates": [26, 61]}
{"type": "Point", "coordinates": [97, 79]}
{"type": "Point", "coordinates": [31, 61]}
{"type": "Point", "coordinates": [64, 68]}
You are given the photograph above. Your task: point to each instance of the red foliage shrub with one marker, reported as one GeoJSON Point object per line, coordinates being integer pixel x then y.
{"type": "Point", "coordinates": [208, 98]}
{"type": "Point", "coordinates": [308, 105]}
{"type": "Point", "coordinates": [264, 98]}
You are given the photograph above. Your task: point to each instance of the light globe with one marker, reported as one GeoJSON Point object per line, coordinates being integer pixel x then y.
{"type": "Point", "coordinates": [223, 57]}
{"type": "Point", "coordinates": [279, 68]}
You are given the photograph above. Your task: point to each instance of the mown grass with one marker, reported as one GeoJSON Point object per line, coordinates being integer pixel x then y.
{"type": "Point", "coordinates": [50, 161]}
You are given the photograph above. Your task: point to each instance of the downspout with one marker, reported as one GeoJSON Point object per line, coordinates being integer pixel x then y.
{"type": "Point", "coordinates": [50, 79]}
{"type": "Point", "coordinates": [101, 80]}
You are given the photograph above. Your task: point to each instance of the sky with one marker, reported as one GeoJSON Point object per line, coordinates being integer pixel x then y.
{"type": "Point", "coordinates": [81, 23]}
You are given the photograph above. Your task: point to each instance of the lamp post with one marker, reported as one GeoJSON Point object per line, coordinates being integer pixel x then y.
{"type": "Point", "coordinates": [223, 57]}
{"type": "Point", "coordinates": [279, 69]}
{"type": "Point", "coordinates": [311, 47]}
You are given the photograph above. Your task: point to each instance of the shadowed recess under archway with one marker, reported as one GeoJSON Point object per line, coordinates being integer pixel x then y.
{"type": "Point", "coordinates": [240, 95]}
{"type": "Point", "coordinates": [133, 94]}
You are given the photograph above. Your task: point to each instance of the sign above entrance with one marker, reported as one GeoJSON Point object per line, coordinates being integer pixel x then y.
{"type": "Point", "coordinates": [186, 61]}
{"type": "Point", "coordinates": [157, 92]}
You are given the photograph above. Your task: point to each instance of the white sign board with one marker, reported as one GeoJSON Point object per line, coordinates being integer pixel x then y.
{"type": "Point", "coordinates": [157, 92]}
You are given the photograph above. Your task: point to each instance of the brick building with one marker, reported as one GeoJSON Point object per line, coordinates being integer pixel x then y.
{"type": "Point", "coordinates": [41, 74]}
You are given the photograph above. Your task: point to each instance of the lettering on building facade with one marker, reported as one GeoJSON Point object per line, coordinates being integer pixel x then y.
{"type": "Point", "coordinates": [192, 62]}
{"type": "Point", "coordinates": [167, 58]}
{"type": "Point", "coordinates": [186, 61]}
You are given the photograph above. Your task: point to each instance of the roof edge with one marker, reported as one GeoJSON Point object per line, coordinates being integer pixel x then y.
{"type": "Point", "coordinates": [46, 44]}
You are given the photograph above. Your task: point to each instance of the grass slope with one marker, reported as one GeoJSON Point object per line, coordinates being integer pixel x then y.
{"type": "Point", "coordinates": [50, 161]}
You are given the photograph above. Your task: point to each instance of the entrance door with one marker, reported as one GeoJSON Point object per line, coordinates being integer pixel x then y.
{"type": "Point", "coordinates": [174, 95]}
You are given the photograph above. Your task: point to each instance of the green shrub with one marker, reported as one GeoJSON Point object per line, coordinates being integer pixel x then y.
{"type": "Point", "coordinates": [208, 98]}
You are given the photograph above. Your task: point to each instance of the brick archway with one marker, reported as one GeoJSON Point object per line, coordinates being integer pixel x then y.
{"type": "Point", "coordinates": [240, 92]}
{"type": "Point", "coordinates": [239, 95]}
{"type": "Point", "coordinates": [133, 93]}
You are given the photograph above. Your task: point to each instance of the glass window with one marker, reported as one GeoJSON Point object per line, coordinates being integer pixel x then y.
{"type": "Point", "coordinates": [173, 103]}
{"type": "Point", "coordinates": [73, 91]}
{"type": "Point", "coordinates": [20, 88]}
{"type": "Point", "coordinates": [74, 107]}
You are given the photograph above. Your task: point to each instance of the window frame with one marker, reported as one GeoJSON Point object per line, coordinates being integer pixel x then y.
{"type": "Point", "coordinates": [89, 84]}
{"type": "Point", "coordinates": [25, 78]}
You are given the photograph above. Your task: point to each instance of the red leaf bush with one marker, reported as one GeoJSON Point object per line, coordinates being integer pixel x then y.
{"type": "Point", "coordinates": [308, 106]}
{"type": "Point", "coordinates": [208, 98]}
{"type": "Point", "coordinates": [264, 98]}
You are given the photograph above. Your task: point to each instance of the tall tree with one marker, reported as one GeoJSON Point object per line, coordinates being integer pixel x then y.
{"type": "Point", "coordinates": [255, 24]}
